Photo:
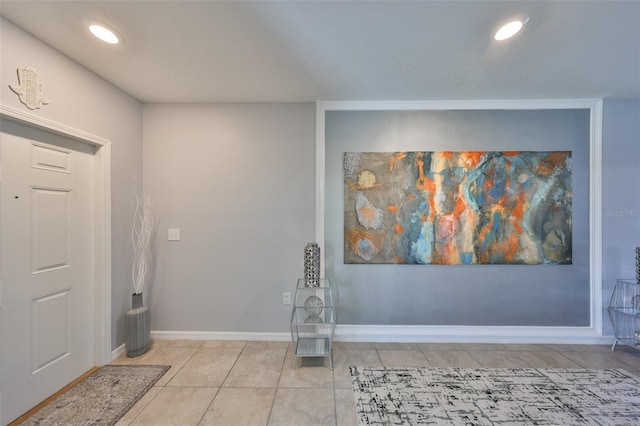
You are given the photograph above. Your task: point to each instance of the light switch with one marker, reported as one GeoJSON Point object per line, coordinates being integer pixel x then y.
{"type": "Point", "coordinates": [174, 234]}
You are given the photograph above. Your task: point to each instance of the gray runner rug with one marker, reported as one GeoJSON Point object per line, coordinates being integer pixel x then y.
{"type": "Point", "coordinates": [495, 396]}
{"type": "Point", "coordinates": [100, 399]}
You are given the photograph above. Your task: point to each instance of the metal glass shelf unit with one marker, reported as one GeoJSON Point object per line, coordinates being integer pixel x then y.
{"type": "Point", "coordinates": [313, 321]}
{"type": "Point", "coordinates": [624, 313]}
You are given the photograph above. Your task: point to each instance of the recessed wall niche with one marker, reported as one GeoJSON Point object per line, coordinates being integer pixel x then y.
{"type": "Point", "coordinates": [540, 295]}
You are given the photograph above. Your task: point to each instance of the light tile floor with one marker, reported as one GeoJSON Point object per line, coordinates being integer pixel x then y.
{"type": "Point", "coordinates": [252, 383]}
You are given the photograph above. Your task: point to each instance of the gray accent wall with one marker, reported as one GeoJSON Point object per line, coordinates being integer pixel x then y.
{"type": "Point", "coordinates": [620, 193]}
{"type": "Point", "coordinates": [471, 295]}
{"type": "Point", "coordinates": [238, 181]}
{"type": "Point", "coordinates": [81, 100]}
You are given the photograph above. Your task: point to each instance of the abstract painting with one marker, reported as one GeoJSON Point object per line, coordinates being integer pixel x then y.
{"type": "Point", "coordinates": [457, 208]}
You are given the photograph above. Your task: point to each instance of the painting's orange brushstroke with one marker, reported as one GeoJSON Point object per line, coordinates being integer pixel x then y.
{"type": "Point", "coordinates": [511, 153]}
{"type": "Point", "coordinates": [442, 257]}
{"type": "Point", "coordinates": [441, 254]}
{"type": "Point", "coordinates": [552, 162]}
{"type": "Point", "coordinates": [392, 208]}
{"type": "Point", "coordinates": [424, 218]}
{"type": "Point", "coordinates": [518, 227]}
{"type": "Point", "coordinates": [368, 212]}
{"type": "Point", "coordinates": [557, 159]}
{"type": "Point", "coordinates": [512, 246]}
{"type": "Point", "coordinates": [508, 167]}
{"type": "Point", "coordinates": [482, 236]}
{"type": "Point", "coordinates": [452, 253]}
{"type": "Point", "coordinates": [430, 187]}
{"type": "Point", "coordinates": [544, 169]}
{"type": "Point", "coordinates": [399, 228]}
{"type": "Point", "coordinates": [461, 205]}
{"type": "Point", "coordinates": [446, 154]}
{"type": "Point", "coordinates": [411, 196]}
{"type": "Point", "coordinates": [471, 158]}
{"type": "Point", "coordinates": [353, 236]}
{"type": "Point", "coordinates": [359, 234]}
{"type": "Point", "coordinates": [421, 176]}
{"type": "Point", "coordinates": [517, 212]}
{"type": "Point", "coordinates": [398, 259]}
{"type": "Point", "coordinates": [424, 183]}
{"type": "Point", "coordinates": [397, 157]}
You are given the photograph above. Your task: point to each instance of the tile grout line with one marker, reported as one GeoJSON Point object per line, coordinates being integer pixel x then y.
{"type": "Point", "coordinates": [222, 384]}
{"type": "Point", "coordinates": [275, 393]}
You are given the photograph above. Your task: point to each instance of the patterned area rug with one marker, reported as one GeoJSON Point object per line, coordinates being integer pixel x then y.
{"type": "Point", "coordinates": [495, 396]}
{"type": "Point", "coordinates": [102, 398]}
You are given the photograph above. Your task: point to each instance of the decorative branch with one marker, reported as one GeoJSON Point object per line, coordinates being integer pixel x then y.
{"type": "Point", "coordinates": [140, 237]}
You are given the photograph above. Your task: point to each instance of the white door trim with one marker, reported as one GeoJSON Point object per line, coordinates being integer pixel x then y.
{"type": "Point", "coordinates": [102, 192]}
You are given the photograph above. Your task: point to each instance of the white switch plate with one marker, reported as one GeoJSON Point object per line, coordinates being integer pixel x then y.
{"type": "Point", "coordinates": [174, 234]}
{"type": "Point", "coordinates": [286, 298]}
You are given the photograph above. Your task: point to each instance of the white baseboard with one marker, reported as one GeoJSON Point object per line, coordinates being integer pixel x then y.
{"type": "Point", "coordinates": [469, 334]}
{"type": "Point", "coordinates": [118, 352]}
{"type": "Point", "coordinates": [220, 335]}
{"type": "Point", "coordinates": [414, 334]}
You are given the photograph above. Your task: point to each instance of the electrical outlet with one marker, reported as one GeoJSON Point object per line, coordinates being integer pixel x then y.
{"type": "Point", "coordinates": [174, 234]}
{"type": "Point", "coordinates": [286, 298]}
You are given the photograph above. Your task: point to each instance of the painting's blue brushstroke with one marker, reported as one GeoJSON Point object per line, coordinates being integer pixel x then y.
{"type": "Point", "coordinates": [421, 249]}
{"type": "Point", "coordinates": [466, 257]}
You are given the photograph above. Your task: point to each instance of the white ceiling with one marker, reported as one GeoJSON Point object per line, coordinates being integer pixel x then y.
{"type": "Point", "coordinates": [214, 51]}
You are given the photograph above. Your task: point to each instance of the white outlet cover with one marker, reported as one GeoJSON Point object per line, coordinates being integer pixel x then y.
{"type": "Point", "coordinates": [174, 234]}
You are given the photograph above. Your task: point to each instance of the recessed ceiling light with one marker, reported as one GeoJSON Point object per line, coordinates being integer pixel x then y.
{"type": "Point", "coordinates": [103, 33]}
{"type": "Point", "coordinates": [510, 29]}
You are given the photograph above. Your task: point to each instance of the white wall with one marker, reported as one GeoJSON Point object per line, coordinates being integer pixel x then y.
{"type": "Point", "coordinates": [84, 101]}
{"type": "Point", "coordinates": [238, 181]}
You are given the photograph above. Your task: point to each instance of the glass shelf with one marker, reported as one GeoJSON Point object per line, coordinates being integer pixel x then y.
{"type": "Point", "coordinates": [313, 318]}
{"type": "Point", "coordinates": [313, 347]}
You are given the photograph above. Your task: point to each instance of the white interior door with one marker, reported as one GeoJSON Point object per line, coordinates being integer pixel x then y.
{"type": "Point", "coordinates": [46, 265]}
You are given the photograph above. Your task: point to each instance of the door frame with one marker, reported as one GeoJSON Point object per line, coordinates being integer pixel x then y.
{"type": "Point", "coordinates": [102, 224]}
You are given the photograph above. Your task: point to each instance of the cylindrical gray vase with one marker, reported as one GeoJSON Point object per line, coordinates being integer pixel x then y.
{"type": "Point", "coordinates": [137, 328]}
{"type": "Point", "coordinates": [312, 265]}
